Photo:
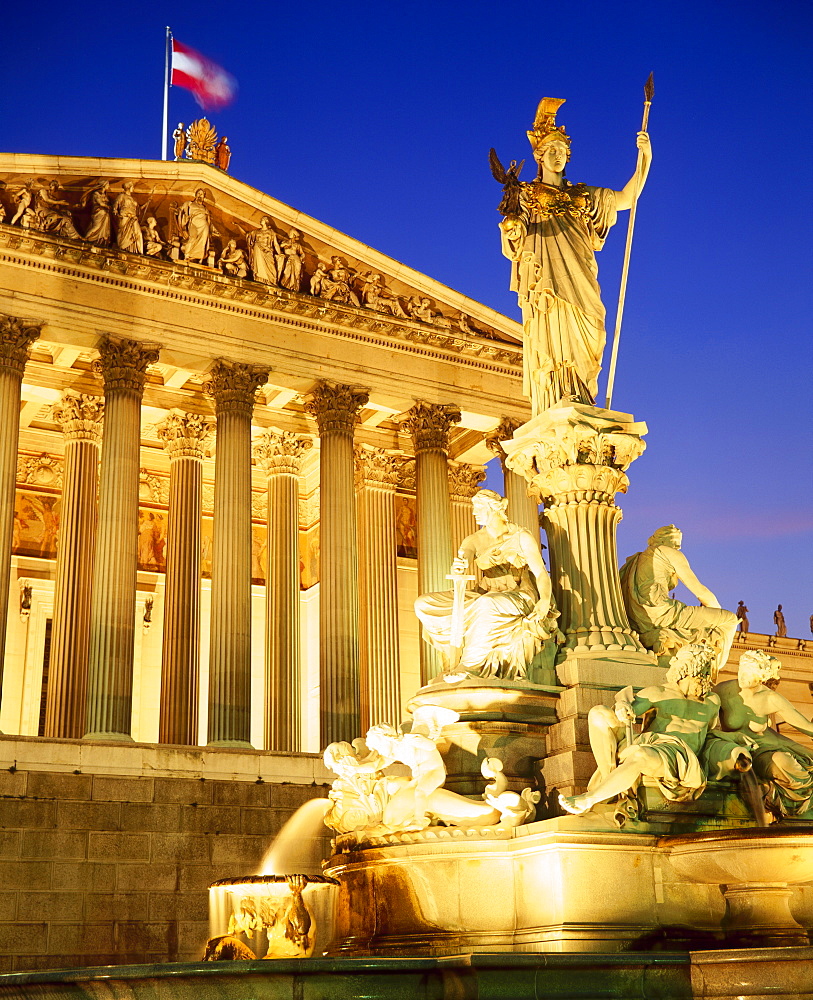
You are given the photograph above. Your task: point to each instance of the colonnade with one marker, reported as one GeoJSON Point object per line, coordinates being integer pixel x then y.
{"type": "Point", "coordinates": [91, 666]}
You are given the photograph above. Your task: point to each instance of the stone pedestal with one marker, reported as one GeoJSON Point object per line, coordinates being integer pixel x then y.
{"type": "Point", "coordinates": [123, 367]}
{"type": "Point", "coordinates": [574, 458]}
{"type": "Point", "coordinates": [429, 425]}
{"type": "Point", "coordinates": [233, 387]}
{"type": "Point", "coordinates": [16, 338]}
{"type": "Point", "coordinates": [80, 417]}
{"type": "Point", "coordinates": [186, 437]}
{"type": "Point", "coordinates": [380, 687]}
{"type": "Point", "coordinates": [336, 409]}
{"type": "Point", "coordinates": [280, 454]}
{"type": "Point", "coordinates": [522, 509]}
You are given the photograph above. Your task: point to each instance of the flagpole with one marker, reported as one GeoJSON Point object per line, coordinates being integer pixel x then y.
{"type": "Point", "coordinates": [649, 91]}
{"type": "Point", "coordinates": [166, 93]}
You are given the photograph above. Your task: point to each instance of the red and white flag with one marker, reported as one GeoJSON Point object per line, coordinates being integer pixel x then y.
{"type": "Point", "coordinates": [212, 86]}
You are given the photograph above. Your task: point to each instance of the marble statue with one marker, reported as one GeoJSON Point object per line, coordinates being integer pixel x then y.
{"type": "Point", "coordinates": [195, 224]}
{"type": "Point", "coordinates": [375, 295]}
{"type": "Point", "coordinates": [263, 249]}
{"type": "Point", "coordinates": [742, 617]}
{"type": "Point", "coordinates": [783, 766]}
{"type": "Point", "coordinates": [223, 153]}
{"type": "Point", "coordinates": [100, 230]}
{"type": "Point", "coordinates": [510, 615]}
{"type": "Point", "coordinates": [779, 621]}
{"type": "Point", "coordinates": [290, 259]}
{"type": "Point", "coordinates": [420, 308]}
{"type": "Point", "coordinates": [337, 284]}
{"type": "Point", "coordinates": [662, 622]}
{"type": "Point", "coordinates": [22, 199]}
{"type": "Point", "coordinates": [233, 260]}
{"type": "Point", "coordinates": [668, 752]}
{"type": "Point", "coordinates": [128, 228]}
{"type": "Point", "coordinates": [550, 232]}
{"type": "Point", "coordinates": [153, 241]}
{"type": "Point", "coordinates": [179, 138]}
{"type": "Point", "coordinates": [367, 799]}
{"type": "Point", "coordinates": [317, 279]}
{"type": "Point", "coordinates": [52, 214]}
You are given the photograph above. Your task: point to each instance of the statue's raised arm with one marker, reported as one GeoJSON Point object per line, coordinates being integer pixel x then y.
{"type": "Point", "coordinates": [551, 238]}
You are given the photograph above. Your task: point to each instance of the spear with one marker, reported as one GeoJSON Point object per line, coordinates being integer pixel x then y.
{"type": "Point", "coordinates": [649, 90]}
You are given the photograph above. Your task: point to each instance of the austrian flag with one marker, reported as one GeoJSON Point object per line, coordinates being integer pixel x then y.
{"type": "Point", "coordinates": [212, 86]}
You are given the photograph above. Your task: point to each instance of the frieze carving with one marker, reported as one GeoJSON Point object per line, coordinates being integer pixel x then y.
{"type": "Point", "coordinates": [233, 386]}
{"type": "Point", "coordinates": [186, 435]}
{"type": "Point", "coordinates": [152, 488]}
{"type": "Point", "coordinates": [376, 469]}
{"type": "Point", "coordinates": [309, 509]}
{"type": "Point", "coordinates": [80, 416]}
{"type": "Point", "coordinates": [429, 425]}
{"type": "Point", "coordinates": [40, 470]}
{"type": "Point", "coordinates": [406, 482]}
{"type": "Point", "coordinates": [335, 407]}
{"type": "Point", "coordinates": [280, 452]}
{"type": "Point", "coordinates": [464, 481]}
{"type": "Point", "coordinates": [123, 364]}
{"type": "Point", "coordinates": [16, 338]}
{"type": "Point", "coordinates": [259, 504]}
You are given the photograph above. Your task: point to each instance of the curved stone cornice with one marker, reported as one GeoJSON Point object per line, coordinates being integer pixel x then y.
{"type": "Point", "coordinates": [378, 470]}
{"type": "Point", "coordinates": [429, 425]}
{"type": "Point", "coordinates": [185, 435]}
{"type": "Point", "coordinates": [464, 481]}
{"type": "Point", "coordinates": [335, 407]}
{"type": "Point", "coordinates": [80, 416]}
{"type": "Point", "coordinates": [123, 364]}
{"type": "Point", "coordinates": [16, 338]}
{"type": "Point", "coordinates": [280, 452]}
{"type": "Point", "coordinates": [233, 386]}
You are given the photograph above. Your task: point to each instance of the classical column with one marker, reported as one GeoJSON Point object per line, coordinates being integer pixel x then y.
{"type": "Point", "coordinates": [464, 482]}
{"type": "Point", "coordinates": [233, 388]}
{"type": "Point", "coordinates": [522, 508]}
{"type": "Point", "coordinates": [336, 410]}
{"type": "Point", "coordinates": [377, 476]}
{"type": "Point", "coordinates": [186, 437]}
{"type": "Point", "coordinates": [16, 338]}
{"type": "Point", "coordinates": [429, 424]}
{"type": "Point", "coordinates": [80, 417]}
{"type": "Point", "coordinates": [280, 454]}
{"type": "Point", "coordinates": [123, 367]}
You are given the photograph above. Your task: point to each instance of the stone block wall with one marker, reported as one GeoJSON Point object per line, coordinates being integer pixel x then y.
{"type": "Point", "coordinates": [113, 868]}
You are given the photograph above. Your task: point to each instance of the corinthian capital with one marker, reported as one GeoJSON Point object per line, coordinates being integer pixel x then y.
{"type": "Point", "coordinates": [123, 364]}
{"type": "Point", "coordinates": [376, 469]}
{"type": "Point", "coordinates": [233, 386]}
{"type": "Point", "coordinates": [16, 338]}
{"type": "Point", "coordinates": [80, 416]}
{"type": "Point", "coordinates": [430, 423]}
{"type": "Point", "coordinates": [185, 435]}
{"type": "Point", "coordinates": [504, 431]}
{"type": "Point", "coordinates": [335, 407]}
{"type": "Point", "coordinates": [280, 452]}
{"type": "Point", "coordinates": [464, 481]}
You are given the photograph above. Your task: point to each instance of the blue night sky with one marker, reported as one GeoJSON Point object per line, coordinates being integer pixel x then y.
{"type": "Point", "coordinates": [377, 119]}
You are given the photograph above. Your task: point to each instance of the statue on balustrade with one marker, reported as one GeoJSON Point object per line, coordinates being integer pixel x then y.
{"type": "Point", "coordinates": [100, 230]}
{"type": "Point", "coordinates": [783, 767]}
{"type": "Point", "coordinates": [195, 226]}
{"type": "Point", "coordinates": [128, 227]}
{"type": "Point", "coordinates": [233, 260]}
{"type": "Point", "coordinates": [290, 260]}
{"type": "Point", "coordinates": [744, 625]}
{"type": "Point", "coordinates": [663, 623]}
{"type": "Point", "coordinates": [669, 751]}
{"type": "Point", "coordinates": [179, 140]}
{"type": "Point", "coordinates": [498, 628]}
{"type": "Point", "coordinates": [369, 799]}
{"type": "Point", "coordinates": [550, 232]}
{"type": "Point", "coordinates": [779, 621]}
{"type": "Point", "coordinates": [263, 248]}
{"type": "Point", "coordinates": [223, 153]}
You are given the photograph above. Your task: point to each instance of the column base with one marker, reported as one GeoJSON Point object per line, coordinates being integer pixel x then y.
{"type": "Point", "coordinates": [231, 745]}
{"type": "Point", "coordinates": [109, 737]}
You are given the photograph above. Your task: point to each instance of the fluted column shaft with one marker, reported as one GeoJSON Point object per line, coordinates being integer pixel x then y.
{"type": "Point", "coordinates": [377, 477]}
{"type": "Point", "coordinates": [123, 366]}
{"type": "Point", "coordinates": [185, 437]}
{"type": "Point", "coordinates": [80, 417]}
{"type": "Point", "coordinates": [280, 454]}
{"type": "Point", "coordinates": [336, 409]}
{"type": "Point", "coordinates": [522, 508]}
{"type": "Point", "coordinates": [16, 338]}
{"type": "Point", "coordinates": [464, 482]}
{"type": "Point", "coordinates": [233, 387]}
{"type": "Point", "coordinates": [429, 424]}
